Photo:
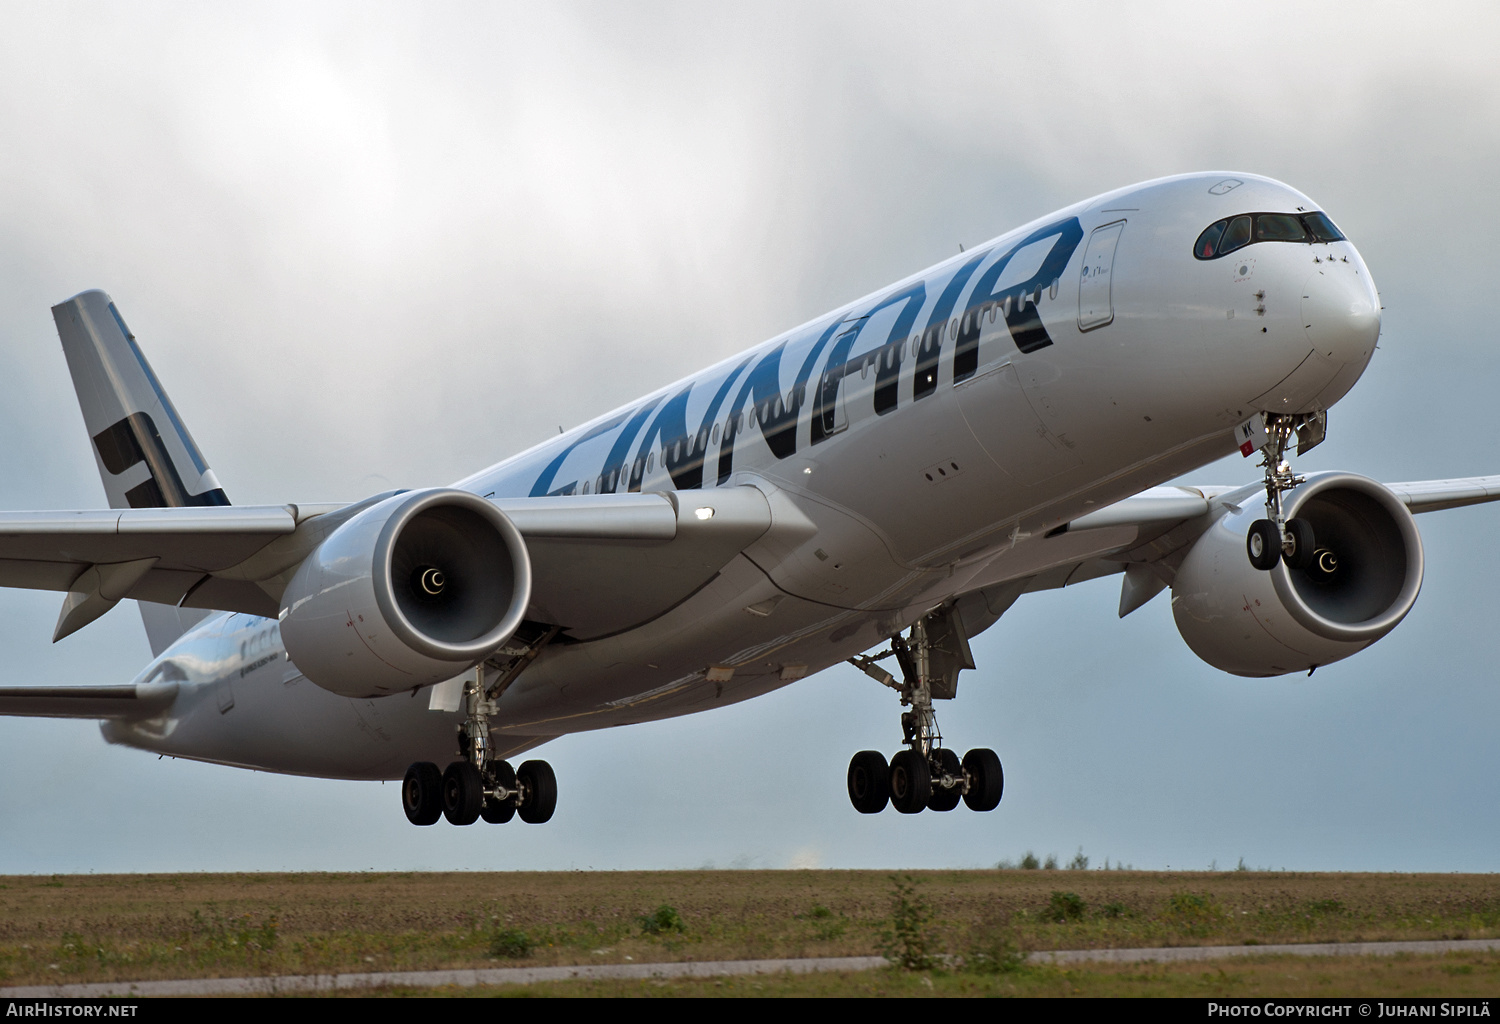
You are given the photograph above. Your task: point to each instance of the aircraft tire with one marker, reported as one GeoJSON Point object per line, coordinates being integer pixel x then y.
{"type": "Point", "coordinates": [869, 782]}
{"type": "Point", "coordinates": [1263, 545]}
{"type": "Point", "coordinates": [422, 793]}
{"type": "Point", "coordinates": [986, 779]}
{"type": "Point", "coordinates": [539, 783]}
{"type": "Point", "coordinates": [498, 812]}
{"type": "Point", "coordinates": [911, 783]}
{"type": "Point", "coordinates": [947, 799]}
{"type": "Point", "coordinates": [463, 793]}
{"type": "Point", "coordinates": [1303, 545]}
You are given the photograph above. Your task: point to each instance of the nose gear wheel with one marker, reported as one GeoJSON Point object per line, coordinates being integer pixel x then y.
{"type": "Point", "coordinates": [1277, 538]}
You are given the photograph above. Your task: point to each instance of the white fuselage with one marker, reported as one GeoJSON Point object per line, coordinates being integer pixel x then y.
{"type": "Point", "coordinates": [932, 432]}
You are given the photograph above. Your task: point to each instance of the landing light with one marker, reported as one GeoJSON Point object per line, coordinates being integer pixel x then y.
{"type": "Point", "coordinates": [704, 513]}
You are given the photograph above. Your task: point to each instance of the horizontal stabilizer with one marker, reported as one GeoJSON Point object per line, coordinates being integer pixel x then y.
{"type": "Point", "coordinates": [130, 701]}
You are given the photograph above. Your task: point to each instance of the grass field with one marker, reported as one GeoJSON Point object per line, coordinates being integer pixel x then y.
{"type": "Point", "coordinates": [137, 927]}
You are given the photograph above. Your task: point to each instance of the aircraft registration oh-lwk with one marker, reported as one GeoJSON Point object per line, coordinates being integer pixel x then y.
{"type": "Point", "coordinates": [892, 475]}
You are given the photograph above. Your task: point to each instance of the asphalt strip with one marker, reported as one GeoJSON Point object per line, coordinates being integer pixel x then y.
{"type": "Point", "coordinates": [299, 983]}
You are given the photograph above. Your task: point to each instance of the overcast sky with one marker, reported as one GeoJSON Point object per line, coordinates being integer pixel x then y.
{"type": "Point", "coordinates": [372, 245]}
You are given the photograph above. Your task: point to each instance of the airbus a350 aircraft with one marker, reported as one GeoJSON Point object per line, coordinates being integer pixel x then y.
{"type": "Point", "coordinates": [892, 475]}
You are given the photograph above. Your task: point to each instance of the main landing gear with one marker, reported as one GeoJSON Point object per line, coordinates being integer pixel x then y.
{"type": "Point", "coordinates": [926, 775]}
{"type": "Point", "coordinates": [481, 785]}
{"type": "Point", "coordinates": [463, 794]}
{"type": "Point", "coordinates": [1277, 538]}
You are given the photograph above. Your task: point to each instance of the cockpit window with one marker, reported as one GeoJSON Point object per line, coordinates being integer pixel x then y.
{"type": "Point", "coordinates": [1322, 228]}
{"type": "Point", "coordinates": [1235, 236]}
{"type": "Point", "coordinates": [1205, 247]}
{"type": "Point", "coordinates": [1233, 233]}
{"type": "Point", "coordinates": [1279, 227]}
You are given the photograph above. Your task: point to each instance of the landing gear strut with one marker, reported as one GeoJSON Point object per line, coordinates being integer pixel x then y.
{"type": "Point", "coordinates": [925, 775]}
{"type": "Point", "coordinates": [482, 785]}
{"type": "Point", "coordinates": [1277, 538]}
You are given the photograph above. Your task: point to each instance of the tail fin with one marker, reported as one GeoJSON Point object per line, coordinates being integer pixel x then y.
{"type": "Point", "coordinates": [126, 412]}
{"type": "Point", "coordinates": [146, 457]}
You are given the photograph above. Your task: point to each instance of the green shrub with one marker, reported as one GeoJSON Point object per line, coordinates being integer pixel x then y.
{"type": "Point", "coordinates": [1079, 861]}
{"type": "Point", "coordinates": [511, 943]}
{"type": "Point", "coordinates": [905, 944]}
{"type": "Point", "coordinates": [1192, 911]}
{"type": "Point", "coordinates": [1029, 862]}
{"type": "Point", "coordinates": [662, 920]}
{"type": "Point", "coordinates": [1064, 907]}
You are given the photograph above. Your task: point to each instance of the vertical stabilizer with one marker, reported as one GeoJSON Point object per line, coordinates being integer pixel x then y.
{"type": "Point", "coordinates": [145, 455]}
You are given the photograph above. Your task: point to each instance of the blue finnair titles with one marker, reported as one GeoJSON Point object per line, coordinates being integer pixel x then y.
{"type": "Point", "coordinates": [835, 348]}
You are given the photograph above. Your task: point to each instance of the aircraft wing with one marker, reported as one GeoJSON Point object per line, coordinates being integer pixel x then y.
{"type": "Point", "coordinates": [1436, 495]}
{"type": "Point", "coordinates": [1146, 536]}
{"type": "Point", "coordinates": [600, 562]}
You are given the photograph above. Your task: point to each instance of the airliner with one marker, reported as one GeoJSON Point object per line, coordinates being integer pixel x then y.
{"type": "Point", "coordinates": [876, 486]}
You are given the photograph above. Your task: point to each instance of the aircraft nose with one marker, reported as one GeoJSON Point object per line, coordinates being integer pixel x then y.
{"type": "Point", "coordinates": [1340, 312]}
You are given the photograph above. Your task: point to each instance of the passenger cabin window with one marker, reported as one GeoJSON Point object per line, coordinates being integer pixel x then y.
{"type": "Point", "coordinates": [1231, 233]}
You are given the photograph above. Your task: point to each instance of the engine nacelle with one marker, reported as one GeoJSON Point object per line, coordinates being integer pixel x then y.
{"type": "Point", "coordinates": [1255, 623]}
{"type": "Point", "coordinates": [409, 592]}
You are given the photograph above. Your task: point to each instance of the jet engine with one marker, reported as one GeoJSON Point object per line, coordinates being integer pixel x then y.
{"type": "Point", "coordinates": [411, 591]}
{"type": "Point", "coordinates": [1366, 572]}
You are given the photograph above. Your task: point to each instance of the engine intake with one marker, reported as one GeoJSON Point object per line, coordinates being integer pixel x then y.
{"type": "Point", "coordinates": [409, 592]}
{"type": "Point", "coordinates": [1365, 576]}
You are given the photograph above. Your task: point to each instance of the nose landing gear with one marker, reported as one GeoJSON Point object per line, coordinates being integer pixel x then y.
{"type": "Point", "coordinates": [925, 775]}
{"type": "Point", "coordinates": [1277, 538]}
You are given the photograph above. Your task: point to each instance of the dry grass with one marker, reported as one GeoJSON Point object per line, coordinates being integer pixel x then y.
{"type": "Point", "coordinates": [102, 927]}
